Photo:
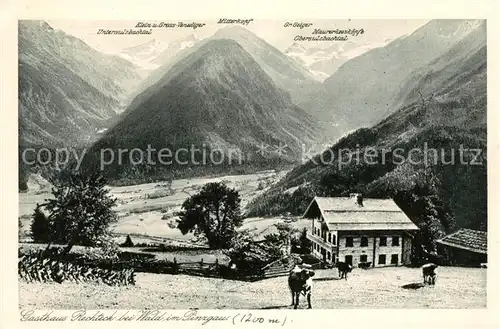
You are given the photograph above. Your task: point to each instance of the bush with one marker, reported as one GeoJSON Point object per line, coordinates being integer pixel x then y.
{"type": "Point", "coordinates": [301, 244]}
{"type": "Point", "coordinates": [135, 256]}
{"type": "Point", "coordinates": [249, 256]}
{"type": "Point", "coordinates": [44, 268]}
{"type": "Point", "coordinates": [128, 242]}
{"type": "Point", "coordinates": [107, 250]}
{"type": "Point", "coordinates": [19, 227]}
{"type": "Point", "coordinates": [40, 227]}
{"type": "Point", "coordinates": [159, 194]}
{"type": "Point", "coordinates": [150, 208]}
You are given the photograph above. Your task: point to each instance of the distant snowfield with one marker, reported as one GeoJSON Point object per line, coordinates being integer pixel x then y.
{"type": "Point", "coordinates": [140, 211]}
{"type": "Point", "coordinates": [148, 54]}
{"type": "Point", "coordinates": [142, 63]}
{"type": "Point", "coordinates": [331, 57]}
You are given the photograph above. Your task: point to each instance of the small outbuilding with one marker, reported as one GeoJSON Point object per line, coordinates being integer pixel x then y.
{"type": "Point", "coordinates": [464, 247]}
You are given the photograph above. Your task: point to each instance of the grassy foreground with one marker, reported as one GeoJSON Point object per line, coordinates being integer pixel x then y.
{"type": "Point", "coordinates": [374, 288]}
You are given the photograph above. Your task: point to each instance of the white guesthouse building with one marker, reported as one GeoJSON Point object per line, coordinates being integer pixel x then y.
{"type": "Point", "coordinates": [354, 230]}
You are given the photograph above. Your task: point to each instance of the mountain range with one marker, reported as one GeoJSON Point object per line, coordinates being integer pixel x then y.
{"type": "Point", "coordinates": [218, 96]}
{"type": "Point", "coordinates": [324, 61]}
{"type": "Point", "coordinates": [174, 47]}
{"type": "Point", "coordinates": [365, 89]}
{"type": "Point", "coordinates": [144, 54]}
{"type": "Point", "coordinates": [237, 93]}
{"type": "Point", "coordinates": [154, 53]}
{"type": "Point", "coordinates": [284, 71]}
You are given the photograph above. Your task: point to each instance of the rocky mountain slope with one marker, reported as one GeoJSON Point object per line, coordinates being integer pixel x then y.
{"type": "Point", "coordinates": [324, 61]}
{"type": "Point", "coordinates": [284, 71]}
{"type": "Point", "coordinates": [367, 88]}
{"type": "Point", "coordinates": [217, 96]}
{"type": "Point", "coordinates": [174, 47]}
{"type": "Point", "coordinates": [144, 54]}
{"type": "Point", "coordinates": [67, 90]}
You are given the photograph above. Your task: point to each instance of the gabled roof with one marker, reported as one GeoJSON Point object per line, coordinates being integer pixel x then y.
{"type": "Point", "coordinates": [346, 204]}
{"type": "Point", "coordinates": [467, 239]}
{"type": "Point", "coordinates": [346, 214]}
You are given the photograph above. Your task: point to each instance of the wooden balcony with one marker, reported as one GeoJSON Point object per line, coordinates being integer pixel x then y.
{"type": "Point", "coordinates": [317, 239]}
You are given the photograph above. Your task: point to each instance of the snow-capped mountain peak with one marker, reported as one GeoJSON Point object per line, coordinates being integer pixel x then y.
{"type": "Point", "coordinates": [147, 47]}
{"type": "Point", "coordinates": [153, 53]}
{"type": "Point", "coordinates": [319, 60]}
{"type": "Point", "coordinates": [296, 48]}
{"type": "Point", "coordinates": [143, 54]}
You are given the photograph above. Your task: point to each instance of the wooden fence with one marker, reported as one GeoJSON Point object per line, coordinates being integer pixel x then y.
{"type": "Point", "coordinates": [46, 267]}
{"type": "Point", "coordinates": [280, 267]}
{"type": "Point", "coordinates": [174, 267]}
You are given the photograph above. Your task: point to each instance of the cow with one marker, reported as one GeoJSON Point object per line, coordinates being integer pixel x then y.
{"type": "Point", "coordinates": [300, 282]}
{"type": "Point", "coordinates": [429, 274]}
{"type": "Point", "coordinates": [344, 268]}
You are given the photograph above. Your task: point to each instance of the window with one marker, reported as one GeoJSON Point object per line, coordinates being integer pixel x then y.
{"type": "Point", "coordinates": [348, 241]}
{"type": "Point", "coordinates": [381, 259]}
{"type": "Point", "coordinates": [328, 255]}
{"type": "Point", "coordinates": [348, 259]}
{"type": "Point", "coordinates": [329, 237]}
{"type": "Point", "coordinates": [333, 257]}
{"type": "Point", "coordinates": [383, 241]}
{"type": "Point", "coordinates": [334, 240]}
{"type": "Point", "coordinates": [364, 241]}
{"type": "Point", "coordinates": [363, 258]}
{"type": "Point", "coordinates": [394, 259]}
{"type": "Point", "coordinates": [395, 241]}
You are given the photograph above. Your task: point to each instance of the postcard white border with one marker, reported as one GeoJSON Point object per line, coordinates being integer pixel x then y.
{"type": "Point", "coordinates": [165, 10]}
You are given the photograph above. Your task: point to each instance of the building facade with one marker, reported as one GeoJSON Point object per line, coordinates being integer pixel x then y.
{"type": "Point", "coordinates": [374, 232]}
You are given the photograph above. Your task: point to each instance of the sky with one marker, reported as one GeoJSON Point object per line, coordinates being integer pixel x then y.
{"type": "Point", "coordinates": [376, 32]}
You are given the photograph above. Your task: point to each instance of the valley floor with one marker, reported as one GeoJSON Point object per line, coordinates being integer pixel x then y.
{"type": "Point", "coordinates": [146, 210]}
{"type": "Point", "coordinates": [373, 288]}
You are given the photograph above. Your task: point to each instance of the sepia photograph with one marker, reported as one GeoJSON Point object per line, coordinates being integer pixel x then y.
{"type": "Point", "coordinates": [257, 164]}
